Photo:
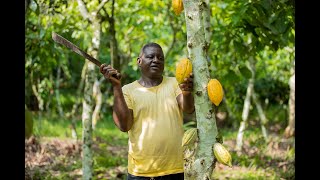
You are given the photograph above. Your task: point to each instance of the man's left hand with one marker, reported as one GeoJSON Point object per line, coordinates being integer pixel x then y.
{"type": "Point", "coordinates": [187, 85]}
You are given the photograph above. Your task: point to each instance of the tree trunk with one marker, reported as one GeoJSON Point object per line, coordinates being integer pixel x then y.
{"type": "Point", "coordinates": [39, 99]}
{"type": "Point", "coordinates": [206, 23]}
{"type": "Point", "coordinates": [88, 104]}
{"type": "Point", "coordinates": [98, 97]}
{"type": "Point", "coordinates": [201, 164]}
{"type": "Point", "coordinates": [48, 110]}
{"type": "Point", "coordinates": [262, 116]}
{"type": "Point", "coordinates": [60, 110]}
{"type": "Point", "coordinates": [290, 129]}
{"type": "Point", "coordinates": [246, 106]}
{"type": "Point", "coordinates": [115, 61]}
{"type": "Point", "coordinates": [87, 157]}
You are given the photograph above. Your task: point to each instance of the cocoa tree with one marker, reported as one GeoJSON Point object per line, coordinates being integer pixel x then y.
{"type": "Point", "coordinates": [200, 165]}
{"type": "Point", "coordinates": [243, 30]}
{"type": "Point", "coordinates": [290, 129]}
{"type": "Point", "coordinates": [251, 94]}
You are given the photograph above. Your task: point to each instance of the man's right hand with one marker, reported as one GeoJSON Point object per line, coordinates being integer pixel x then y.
{"type": "Point", "coordinates": [111, 74]}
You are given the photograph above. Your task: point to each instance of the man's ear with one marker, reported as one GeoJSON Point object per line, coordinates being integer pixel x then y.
{"type": "Point", "coordinates": [139, 61]}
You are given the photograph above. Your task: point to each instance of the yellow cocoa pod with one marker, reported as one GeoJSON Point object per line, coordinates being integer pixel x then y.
{"type": "Point", "coordinates": [222, 154]}
{"type": "Point", "coordinates": [177, 6]}
{"type": "Point", "coordinates": [215, 91]}
{"type": "Point", "coordinates": [189, 136]}
{"type": "Point", "coordinates": [183, 69]}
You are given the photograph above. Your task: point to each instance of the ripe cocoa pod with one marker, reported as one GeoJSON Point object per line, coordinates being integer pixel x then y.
{"type": "Point", "coordinates": [222, 154]}
{"type": "Point", "coordinates": [177, 6]}
{"type": "Point", "coordinates": [215, 91]}
{"type": "Point", "coordinates": [190, 136]}
{"type": "Point", "coordinates": [183, 69]}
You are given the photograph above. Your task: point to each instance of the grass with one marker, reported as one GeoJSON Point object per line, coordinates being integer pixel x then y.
{"type": "Point", "coordinates": [259, 160]}
{"type": "Point", "coordinates": [61, 128]}
{"type": "Point", "coordinates": [109, 147]}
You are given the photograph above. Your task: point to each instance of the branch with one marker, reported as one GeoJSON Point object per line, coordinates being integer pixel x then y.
{"type": "Point", "coordinates": [112, 10]}
{"type": "Point", "coordinates": [100, 6]}
{"type": "Point", "coordinates": [106, 17]}
{"type": "Point", "coordinates": [83, 10]}
{"type": "Point", "coordinates": [173, 29]}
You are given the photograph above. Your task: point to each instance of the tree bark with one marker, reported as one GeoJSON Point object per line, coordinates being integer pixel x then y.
{"type": "Point", "coordinates": [115, 61]}
{"type": "Point", "coordinates": [290, 129]}
{"type": "Point", "coordinates": [60, 110]}
{"type": "Point", "coordinates": [98, 97]}
{"type": "Point", "coordinates": [200, 165]}
{"type": "Point", "coordinates": [48, 110]}
{"type": "Point", "coordinates": [174, 29]}
{"type": "Point", "coordinates": [246, 106]}
{"type": "Point", "coordinates": [88, 104]}
{"type": "Point", "coordinates": [39, 99]}
{"type": "Point", "coordinates": [87, 158]}
{"type": "Point", "coordinates": [206, 22]}
{"type": "Point", "coordinates": [263, 118]}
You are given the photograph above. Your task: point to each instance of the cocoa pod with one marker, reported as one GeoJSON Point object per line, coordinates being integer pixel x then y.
{"type": "Point", "coordinates": [177, 6]}
{"type": "Point", "coordinates": [183, 69]}
{"type": "Point", "coordinates": [222, 154]}
{"type": "Point", "coordinates": [215, 91]}
{"type": "Point", "coordinates": [190, 136]}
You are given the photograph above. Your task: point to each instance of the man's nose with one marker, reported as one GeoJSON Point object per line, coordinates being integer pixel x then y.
{"type": "Point", "coordinates": [156, 59]}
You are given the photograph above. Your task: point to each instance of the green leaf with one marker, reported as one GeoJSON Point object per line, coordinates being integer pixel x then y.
{"type": "Point", "coordinates": [42, 33]}
{"type": "Point", "coordinates": [266, 4]}
{"type": "Point", "coordinates": [231, 77]}
{"type": "Point", "coordinates": [281, 23]}
{"type": "Point", "coordinates": [245, 72]}
{"type": "Point", "coordinates": [238, 46]}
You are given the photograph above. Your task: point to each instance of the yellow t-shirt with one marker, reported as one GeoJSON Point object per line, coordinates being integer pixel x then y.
{"type": "Point", "coordinates": [156, 135]}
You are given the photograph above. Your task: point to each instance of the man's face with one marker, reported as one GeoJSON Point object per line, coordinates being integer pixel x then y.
{"type": "Point", "coordinates": [151, 62]}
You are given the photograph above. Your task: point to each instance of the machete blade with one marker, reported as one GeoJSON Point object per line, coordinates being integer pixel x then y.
{"type": "Point", "coordinates": [61, 40]}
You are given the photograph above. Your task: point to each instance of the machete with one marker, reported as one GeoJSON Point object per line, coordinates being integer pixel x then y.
{"type": "Point", "coordinates": [61, 40]}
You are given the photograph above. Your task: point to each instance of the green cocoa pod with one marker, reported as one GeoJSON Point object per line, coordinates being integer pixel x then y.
{"type": "Point", "coordinates": [190, 136]}
{"type": "Point", "coordinates": [222, 154]}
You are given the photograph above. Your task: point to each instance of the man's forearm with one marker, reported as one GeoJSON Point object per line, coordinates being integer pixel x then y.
{"type": "Point", "coordinates": [188, 103]}
{"type": "Point", "coordinates": [121, 113]}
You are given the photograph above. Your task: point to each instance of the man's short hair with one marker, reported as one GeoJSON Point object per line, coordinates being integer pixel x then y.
{"type": "Point", "coordinates": [151, 44]}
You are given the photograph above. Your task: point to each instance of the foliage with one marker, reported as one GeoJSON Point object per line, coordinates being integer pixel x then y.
{"type": "Point", "coordinates": [237, 34]}
{"type": "Point", "coordinates": [264, 30]}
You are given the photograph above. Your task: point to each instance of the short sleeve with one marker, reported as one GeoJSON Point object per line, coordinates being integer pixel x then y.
{"type": "Point", "coordinates": [127, 97]}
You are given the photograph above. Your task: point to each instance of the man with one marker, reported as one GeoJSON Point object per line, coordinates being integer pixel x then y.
{"type": "Point", "coordinates": [151, 109]}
